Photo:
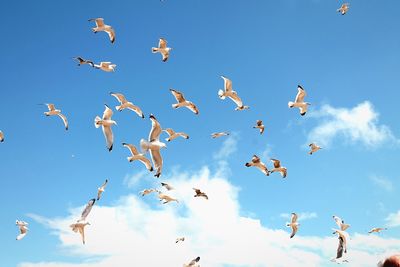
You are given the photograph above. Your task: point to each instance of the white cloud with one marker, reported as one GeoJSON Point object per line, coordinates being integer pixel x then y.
{"type": "Point", "coordinates": [393, 219]}
{"type": "Point", "coordinates": [382, 182]}
{"type": "Point", "coordinates": [359, 124]}
{"type": "Point", "coordinates": [302, 216]}
{"type": "Point", "coordinates": [229, 146]}
{"type": "Point", "coordinates": [133, 179]}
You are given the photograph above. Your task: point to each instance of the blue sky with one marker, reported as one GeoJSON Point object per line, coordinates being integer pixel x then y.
{"type": "Point", "coordinates": [348, 65]}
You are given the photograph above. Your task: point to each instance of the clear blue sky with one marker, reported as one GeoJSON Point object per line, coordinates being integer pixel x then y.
{"type": "Point", "coordinates": [265, 47]}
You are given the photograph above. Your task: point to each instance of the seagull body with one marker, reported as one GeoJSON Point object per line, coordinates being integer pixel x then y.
{"type": "Point", "coordinates": [101, 27]}
{"type": "Point", "coordinates": [199, 193]}
{"type": "Point", "coordinates": [344, 8]}
{"type": "Point", "coordinates": [229, 92]}
{"type": "Point", "coordinates": [314, 148]}
{"type": "Point", "coordinates": [193, 263]}
{"type": "Point", "coordinates": [342, 242]}
{"type": "Point", "coordinates": [80, 227]}
{"type": "Point", "coordinates": [216, 135]}
{"type": "Point", "coordinates": [105, 66]}
{"type": "Point", "coordinates": [1, 136]}
{"type": "Point", "coordinates": [376, 230]}
{"type": "Point", "coordinates": [340, 250]}
{"type": "Point", "coordinates": [256, 162]}
{"type": "Point", "coordinates": [154, 145]}
{"type": "Point", "coordinates": [125, 104]}
{"type": "Point", "coordinates": [293, 224]}
{"type": "Point", "coordinates": [259, 125]}
{"type": "Point", "coordinates": [180, 239]}
{"type": "Point", "coordinates": [101, 189]}
{"type": "Point", "coordinates": [340, 223]}
{"type": "Point", "coordinates": [23, 229]}
{"type": "Point", "coordinates": [182, 102]}
{"type": "Point", "coordinates": [56, 112]}
{"type": "Point", "coordinates": [299, 101]}
{"type": "Point", "coordinates": [106, 122]}
{"type": "Point", "coordinates": [147, 191]}
{"type": "Point", "coordinates": [279, 168]}
{"type": "Point", "coordinates": [162, 49]}
{"type": "Point", "coordinates": [138, 156]}
{"type": "Point", "coordinates": [172, 134]}
{"type": "Point", "coordinates": [165, 198]}
{"type": "Point", "coordinates": [87, 210]}
{"type": "Point", "coordinates": [167, 186]}
{"type": "Point", "coordinates": [83, 61]}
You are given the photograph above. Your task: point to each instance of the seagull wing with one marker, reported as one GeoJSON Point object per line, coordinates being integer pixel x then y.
{"type": "Point", "coordinates": [111, 34]}
{"type": "Point", "coordinates": [99, 22]}
{"type": "Point", "coordinates": [227, 84]}
{"type": "Point", "coordinates": [64, 120]}
{"type": "Point", "coordinates": [339, 251]}
{"type": "Point", "coordinates": [162, 43]}
{"type": "Point", "coordinates": [107, 113]}
{"type": "Point", "coordinates": [131, 148]}
{"type": "Point", "coordinates": [155, 129]}
{"type": "Point", "coordinates": [300, 94]}
{"type": "Point", "coordinates": [235, 98]}
{"type": "Point", "coordinates": [255, 159]}
{"type": "Point", "coordinates": [135, 109]}
{"type": "Point", "coordinates": [108, 134]}
{"type": "Point", "coordinates": [146, 162]}
{"type": "Point", "coordinates": [157, 160]}
{"type": "Point", "coordinates": [277, 163]}
{"type": "Point", "coordinates": [87, 209]}
{"type": "Point", "coordinates": [51, 107]}
{"type": "Point", "coordinates": [82, 232]}
{"type": "Point", "coordinates": [178, 95]}
{"type": "Point", "coordinates": [120, 97]}
{"type": "Point", "coordinates": [294, 218]}
{"type": "Point", "coordinates": [294, 230]}
{"type": "Point", "coordinates": [193, 108]}
{"type": "Point", "coordinates": [169, 131]}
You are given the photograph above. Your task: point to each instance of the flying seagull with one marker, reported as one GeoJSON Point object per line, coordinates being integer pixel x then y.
{"type": "Point", "coordinates": [376, 230]}
{"type": "Point", "coordinates": [101, 189]}
{"type": "Point", "coordinates": [279, 168]}
{"type": "Point", "coordinates": [342, 247]}
{"type": "Point", "coordinates": [229, 92]}
{"type": "Point", "coordinates": [23, 229]}
{"type": "Point", "coordinates": [313, 148]}
{"type": "Point", "coordinates": [182, 102]}
{"type": "Point", "coordinates": [1, 136]}
{"type": "Point", "coordinates": [344, 8]}
{"type": "Point", "coordinates": [199, 193]}
{"type": "Point", "coordinates": [138, 156]}
{"type": "Point", "coordinates": [100, 26]}
{"type": "Point", "coordinates": [172, 134]}
{"type": "Point", "coordinates": [105, 66]}
{"type": "Point", "coordinates": [219, 134]}
{"type": "Point", "coordinates": [106, 122]}
{"type": "Point", "coordinates": [180, 239]}
{"type": "Point", "coordinates": [167, 186]}
{"type": "Point", "coordinates": [193, 263]}
{"type": "Point", "coordinates": [259, 125]}
{"type": "Point", "coordinates": [147, 191]}
{"type": "Point", "coordinates": [87, 210]}
{"type": "Point", "coordinates": [256, 162]}
{"type": "Point", "coordinates": [125, 104]}
{"type": "Point", "coordinates": [340, 223]}
{"type": "Point", "coordinates": [299, 101]}
{"type": "Point", "coordinates": [154, 145]}
{"type": "Point", "coordinates": [80, 227]}
{"type": "Point", "coordinates": [293, 224]}
{"type": "Point", "coordinates": [165, 198]}
{"type": "Point", "coordinates": [162, 49]}
{"type": "Point", "coordinates": [82, 61]}
{"type": "Point", "coordinates": [53, 111]}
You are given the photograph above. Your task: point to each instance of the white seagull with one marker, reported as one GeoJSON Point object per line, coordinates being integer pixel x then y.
{"type": "Point", "coordinates": [1, 136]}
{"type": "Point", "coordinates": [344, 8]}
{"type": "Point", "coordinates": [80, 227]}
{"type": "Point", "coordinates": [83, 61]}
{"type": "Point", "coordinates": [259, 125]}
{"type": "Point", "coordinates": [340, 223]}
{"type": "Point", "coordinates": [299, 101]}
{"type": "Point", "coordinates": [147, 191]}
{"type": "Point", "coordinates": [106, 122]}
{"type": "Point", "coordinates": [182, 102]}
{"type": "Point", "coordinates": [125, 104]}
{"type": "Point", "coordinates": [279, 168]}
{"type": "Point", "coordinates": [376, 230]}
{"type": "Point", "coordinates": [229, 92]}
{"type": "Point", "coordinates": [219, 134]}
{"type": "Point", "coordinates": [342, 243]}
{"type": "Point", "coordinates": [167, 186]}
{"type": "Point", "coordinates": [53, 111]}
{"type": "Point", "coordinates": [193, 263]}
{"type": "Point", "coordinates": [313, 148]}
{"type": "Point", "coordinates": [165, 198]}
{"type": "Point", "coordinates": [162, 49]}
{"type": "Point", "coordinates": [180, 239]}
{"type": "Point", "coordinates": [138, 156]}
{"type": "Point", "coordinates": [101, 189]}
{"type": "Point", "coordinates": [105, 66]}
{"type": "Point", "coordinates": [293, 224]}
{"type": "Point", "coordinates": [172, 134]}
{"type": "Point", "coordinates": [256, 162]}
{"type": "Point", "coordinates": [154, 145]}
{"type": "Point", "coordinates": [100, 26]}
{"type": "Point", "coordinates": [199, 193]}
{"type": "Point", "coordinates": [23, 229]}
{"type": "Point", "coordinates": [87, 210]}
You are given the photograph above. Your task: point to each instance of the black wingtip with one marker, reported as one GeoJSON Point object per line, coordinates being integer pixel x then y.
{"type": "Point", "coordinates": [111, 147]}
{"type": "Point", "coordinates": [151, 169]}
{"type": "Point", "coordinates": [302, 114]}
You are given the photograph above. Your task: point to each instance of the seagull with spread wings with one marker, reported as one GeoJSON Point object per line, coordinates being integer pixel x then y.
{"type": "Point", "coordinates": [167, 186]}
{"type": "Point", "coordinates": [56, 112]}
{"type": "Point", "coordinates": [1, 136]}
{"type": "Point", "coordinates": [376, 230]}
{"type": "Point", "coordinates": [342, 246]}
{"type": "Point", "coordinates": [101, 189]}
{"type": "Point", "coordinates": [138, 156]}
{"type": "Point", "coordinates": [87, 210]}
{"type": "Point", "coordinates": [172, 134]}
{"type": "Point", "coordinates": [105, 66]}
{"type": "Point", "coordinates": [193, 263]}
{"type": "Point", "coordinates": [106, 122]}
{"type": "Point", "coordinates": [219, 134]}
{"type": "Point", "coordinates": [299, 101]}
{"type": "Point", "coordinates": [229, 92]}
{"type": "Point", "coordinates": [23, 229]}
{"type": "Point", "coordinates": [259, 125]}
{"type": "Point", "coordinates": [279, 168]}
{"type": "Point", "coordinates": [182, 102]}
{"type": "Point", "coordinates": [147, 191]}
{"type": "Point", "coordinates": [199, 193]}
{"type": "Point", "coordinates": [125, 104]}
{"type": "Point", "coordinates": [80, 227]}
{"type": "Point", "coordinates": [293, 224]}
{"type": "Point", "coordinates": [180, 239]}
{"type": "Point", "coordinates": [162, 49]}
{"type": "Point", "coordinates": [101, 27]}
{"type": "Point", "coordinates": [256, 162]}
{"type": "Point", "coordinates": [344, 8]}
{"type": "Point", "coordinates": [165, 198]}
{"type": "Point", "coordinates": [340, 223]}
{"type": "Point", "coordinates": [313, 148]}
{"type": "Point", "coordinates": [82, 61]}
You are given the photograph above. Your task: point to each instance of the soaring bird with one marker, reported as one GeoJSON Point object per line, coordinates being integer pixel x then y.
{"type": "Point", "coordinates": [23, 229]}
{"type": "Point", "coordinates": [313, 148]}
{"type": "Point", "coordinates": [167, 186]}
{"type": "Point", "coordinates": [165, 198]}
{"type": "Point", "coordinates": [80, 227]}
{"type": "Point", "coordinates": [340, 223]}
{"type": "Point", "coordinates": [219, 134]}
{"type": "Point", "coordinates": [299, 101]}
{"type": "Point", "coordinates": [172, 134]}
{"type": "Point", "coordinates": [229, 92]}
{"type": "Point", "coordinates": [101, 189]}
{"type": "Point", "coordinates": [256, 162]}
{"type": "Point", "coordinates": [344, 8]}
{"type": "Point", "coordinates": [162, 49]}
{"type": "Point", "coordinates": [199, 193]}
{"type": "Point", "coordinates": [279, 168]}
{"type": "Point", "coordinates": [182, 102]}
{"type": "Point", "coordinates": [105, 66]}
{"type": "Point", "coordinates": [138, 156]}
{"type": "Point", "coordinates": [87, 210]}
{"type": "Point", "coordinates": [1, 136]}
{"type": "Point", "coordinates": [147, 191]}
{"type": "Point", "coordinates": [100, 26]}
{"type": "Point", "coordinates": [193, 263]}
{"type": "Point", "coordinates": [376, 230]}
{"type": "Point", "coordinates": [125, 104]}
{"type": "Point", "coordinates": [82, 61]}
{"type": "Point", "coordinates": [53, 111]}
{"type": "Point", "coordinates": [154, 145]}
{"type": "Point", "coordinates": [342, 247]}
{"type": "Point", "coordinates": [259, 125]}
{"type": "Point", "coordinates": [106, 122]}
{"type": "Point", "coordinates": [180, 239]}
{"type": "Point", "coordinates": [293, 224]}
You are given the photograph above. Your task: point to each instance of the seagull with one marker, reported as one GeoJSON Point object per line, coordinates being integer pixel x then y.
{"type": "Point", "coordinates": [193, 263]}
{"type": "Point", "coordinates": [182, 102]}
{"type": "Point", "coordinates": [228, 92]}
{"type": "Point", "coordinates": [199, 193]}
{"type": "Point", "coordinates": [162, 49]}
{"type": "Point", "coordinates": [259, 125]}
{"type": "Point", "coordinates": [342, 243]}
{"type": "Point", "coordinates": [279, 168]}
{"type": "Point", "coordinates": [83, 61]}
{"type": "Point", "coordinates": [165, 198]}
{"type": "Point", "coordinates": [376, 230]}
{"type": "Point", "coordinates": [180, 239]}
{"type": "Point", "coordinates": [147, 191]}
{"type": "Point", "coordinates": [299, 101]}
{"type": "Point", "coordinates": [167, 186]}
{"type": "Point", "coordinates": [23, 230]}
{"type": "Point", "coordinates": [314, 148]}
{"type": "Point", "coordinates": [340, 223]}
{"type": "Point", "coordinates": [80, 226]}
{"type": "Point", "coordinates": [293, 224]}
{"type": "Point", "coordinates": [256, 162]}
{"type": "Point", "coordinates": [106, 122]}
{"type": "Point", "coordinates": [101, 189]}
{"type": "Point", "coordinates": [105, 66]}
{"type": "Point", "coordinates": [126, 105]}
{"type": "Point", "coordinates": [1, 136]}
{"type": "Point", "coordinates": [344, 8]}
{"type": "Point", "coordinates": [154, 145]}
{"type": "Point", "coordinates": [100, 26]}
{"type": "Point", "coordinates": [172, 134]}
{"type": "Point", "coordinates": [219, 134]}
{"type": "Point", "coordinates": [87, 210]}
{"type": "Point", "coordinates": [138, 156]}
{"type": "Point", "coordinates": [53, 111]}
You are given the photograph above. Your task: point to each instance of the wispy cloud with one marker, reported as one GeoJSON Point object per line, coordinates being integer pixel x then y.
{"type": "Point", "coordinates": [302, 216]}
{"type": "Point", "coordinates": [132, 179]}
{"type": "Point", "coordinates": [382, 182]}
{"type": "Point", "coordinates": [393, 219]}
{"type": "Point", "coordinates": [229, 146]}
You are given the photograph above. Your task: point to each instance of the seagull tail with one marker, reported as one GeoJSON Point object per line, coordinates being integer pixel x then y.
{"type": "Point", "coordinates": [290, 104]}
{"type": "Point", "coordinates": [154, 49]}
{"type": "Point", "coordinates": [96, 121]}
{"type": "Point", "coordinates": [118, 108]}
{"type": "Point", "coordinates": [221, 94]}
{"type": "Point", "coordinates": [175, 105]}
{"type": "Point", "coordinates": [144, 145]}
